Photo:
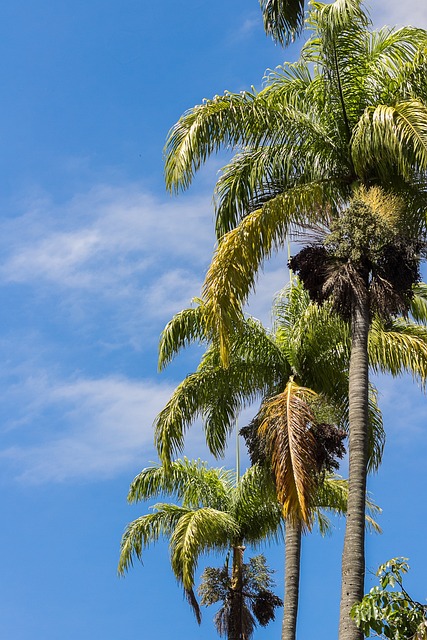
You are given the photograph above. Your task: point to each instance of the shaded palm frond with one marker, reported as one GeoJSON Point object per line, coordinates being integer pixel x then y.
{"type": "Point", "coordinates": [418, 308]}
{"type": "Point", "coordinates": [283, 19]}
{"type": "Point", "coordinates": [256, 507]}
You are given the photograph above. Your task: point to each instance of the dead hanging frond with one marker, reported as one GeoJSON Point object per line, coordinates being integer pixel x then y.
{"type": "Point", "coordinates": [290, 445]}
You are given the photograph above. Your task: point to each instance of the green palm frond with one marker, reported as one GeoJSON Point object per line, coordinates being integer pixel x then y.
{"type": "Point", "coordinates": [147, 530]}
{"type": "Point", "coordinates": [241, 252]}
{"type": "Point", "coordinates": [376, 431]}
{"type": "Point", "coordinates": [192, 399]}
{"type": "Point", "coordinates": [256, 507]}
{"type": "Point", "coordinates": [190, 481]}
{"type": "Point", "coordinates": [195, 533]}
{"type": "Point", "coordinates": [397, 347]}
{"type": "Point", "coordinates": [283, 19]}
{"type": "Point", "coordinates": [216, 395]}
{"type": "Point", "coordinates": [332, 495]}
{"type": "Point", "coordinates": [250, 178]}
{"type": "Point", "coordinates": [227, 120]}
{"type": "Point", "coordinates": [186, 327]}
{"type": "Point", "coordinates": [418, 307]}
{"type": "Point", "coordinates": [389, 134]}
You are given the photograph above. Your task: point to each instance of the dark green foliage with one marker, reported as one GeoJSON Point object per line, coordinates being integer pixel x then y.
{"type": "Point", "coordinates": [259, 602]}
{"type": "Point", "coordinates": [329, 441]}
{"type": "Point", "coordinates": [367, 249]}
{"type": "Point", "coordinates": [330, 447]}
{"type": "Point", "coordinates": [390, 613]}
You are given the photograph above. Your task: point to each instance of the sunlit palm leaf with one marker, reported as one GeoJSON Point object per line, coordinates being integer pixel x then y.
{"type": "Point", "coordinates": [147, 530]}
{"type": "Point", "coordinates": [186, 327]}
{"type": "Point", "coordinates": [241, 252]}
{"type": "Point", "coordinates": [398, 347]}
{"type": "Point", "coordinates": [190, 481]}
{"type": "Point", "coordinates": [195, 533]}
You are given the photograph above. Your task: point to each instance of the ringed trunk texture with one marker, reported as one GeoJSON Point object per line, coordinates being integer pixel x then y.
{"type": "Point", "coordinates": [292, 576]}
{"type": "Point", "coordinates": [353, 559]}
{"type": "Point", "coordinates": [237, 631]}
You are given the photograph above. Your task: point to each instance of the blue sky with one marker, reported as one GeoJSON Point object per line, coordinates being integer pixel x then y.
{"type": "Point", "coordinates": [95, 258]}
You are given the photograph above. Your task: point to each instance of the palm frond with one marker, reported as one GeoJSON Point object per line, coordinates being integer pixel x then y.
{"type": "Point", "coordinates": [196, 532]}
{"type": "Point", "coordinates": [418, 307]}
{"type": "Point", "coordinates": [145, 531]}
{"type": "Point", "coordinates": [284, 429]}
{"type": "Point", "coordinates": [388, 134]}
{"type": "Point", "coordinates": [283, 19]}
{"type": "Point", "coordinates": [192, 482]}
{"type": "Point", "coordinates": [397, 347]}
{"type": "Point", "coordinates": [186, 327]}
{"type": "Point", "coordinates": [256, 507]}
{"type": "Point", "coordinates": [227, 120]}
{"type": "Point", "coordinates": [241, 252]}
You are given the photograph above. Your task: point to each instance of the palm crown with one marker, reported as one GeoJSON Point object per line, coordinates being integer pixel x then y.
{"type": "Point", "coordinates": [351, 110]}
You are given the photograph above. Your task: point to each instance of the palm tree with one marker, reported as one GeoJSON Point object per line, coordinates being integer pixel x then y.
{"type": "Point", "coordinates": [352, 111]}
{"type": "Point", "coordinates": [215, 513]}
{"type": "Point", "coordinates": [257, 604]}
{"type": "Point", "coordinates": [283, 19]}
{"type": "Point", "coordinates": [309, 343]}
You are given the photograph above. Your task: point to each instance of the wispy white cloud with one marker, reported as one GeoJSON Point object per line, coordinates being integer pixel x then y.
{"type": "Point", "coordinates": [118, 248]}
{"type": "Point", "coordinates": [103, 237]}
{"type": "Point", "coordinates": [89, 429]}
{"type": "Point", "coordinates": [398, 13]}
{"type": "Point", "coordinates": [83, 428]}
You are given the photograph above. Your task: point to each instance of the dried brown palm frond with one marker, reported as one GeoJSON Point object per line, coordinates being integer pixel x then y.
{"type": "Point", "coordinates": [290, 445]}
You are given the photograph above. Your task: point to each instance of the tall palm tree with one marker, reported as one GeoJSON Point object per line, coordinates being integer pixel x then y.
{"type": "Point", "coordinates": [215, 513]}
{"type": "Point", "coordinates": [309, 343]}
{"type": "Point", "coordinates": [352, 111]}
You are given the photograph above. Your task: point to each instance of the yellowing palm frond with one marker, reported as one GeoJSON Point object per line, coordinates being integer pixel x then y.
{"type": "Point", "coordinates": [241, 252]}
{"type": "Point", "coordinates": [284, 428]}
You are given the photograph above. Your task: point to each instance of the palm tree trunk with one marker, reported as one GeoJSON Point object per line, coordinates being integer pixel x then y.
{"type": "Point", "coordinates": [353, 559]}
{"type": "Point", "coordinates": [236, 628]}
{"type": "Point", "coordinates": [292, 576]}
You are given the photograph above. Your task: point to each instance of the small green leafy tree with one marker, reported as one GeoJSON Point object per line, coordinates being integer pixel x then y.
{"type": "Point", "coordinates": [389, 613]}
{"type": "Point", "coordinates": [258, 602]}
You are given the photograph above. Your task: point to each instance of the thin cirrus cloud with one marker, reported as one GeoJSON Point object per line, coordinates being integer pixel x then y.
{"type": "Point", "coordinates": [397, 13]}
{"type": "Point", "coordinates": [110, 233]}
{"type": "Point", "coordinates": [101, 428]}
{"type": "Point", "coordinates": [110, 248]}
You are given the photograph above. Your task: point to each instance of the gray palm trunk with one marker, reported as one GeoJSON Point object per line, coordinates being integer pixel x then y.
{"type": "Point", "coordinates": [237, 631]}
{"type": "Point", "coordinates": [292, 577]}
{"type": "Point", "coordinates": [353, 559]}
